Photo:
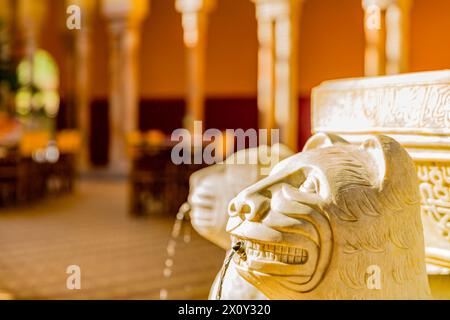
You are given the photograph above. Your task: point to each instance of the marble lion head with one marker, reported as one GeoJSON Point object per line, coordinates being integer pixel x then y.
{"type": "Point", "coordinates": [212, 188]}
{"type": "Point", "coordinates": [328, 220]}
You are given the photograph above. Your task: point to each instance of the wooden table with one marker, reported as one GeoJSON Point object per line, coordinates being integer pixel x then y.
{"type": "Point", "coordinates": [24, 179]}
{"type": "Point", "coordinates": [157, 185]}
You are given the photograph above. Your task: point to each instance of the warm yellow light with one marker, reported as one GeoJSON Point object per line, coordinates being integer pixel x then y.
{"type": "Point", "coordinates": [23, 101]}
{"type": "Point", "coordinates": [42, 73]}
{"type": "Point", "coordinates": [51, 102]}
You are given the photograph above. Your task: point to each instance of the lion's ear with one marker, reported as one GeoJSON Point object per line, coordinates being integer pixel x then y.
{"type": "Point", "coordinates": [322, 140]}
{"type": "Point", "coordinates": [392, 170]}
{"type": "Point", "coordinates": [377, 151]}
{"type": "Point", "coordinates": [391, 161]}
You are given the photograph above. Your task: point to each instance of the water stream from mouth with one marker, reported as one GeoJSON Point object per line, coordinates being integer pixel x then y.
{"type": "Point", "coordinates": [237, 248]}
{"type": "Point", "coordinates": [181, 223]}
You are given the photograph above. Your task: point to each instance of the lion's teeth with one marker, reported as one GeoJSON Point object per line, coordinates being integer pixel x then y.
{"type": "Point", "coordinates": [279, 253]}
{"type": "Point", "coordinates": [304, 256]}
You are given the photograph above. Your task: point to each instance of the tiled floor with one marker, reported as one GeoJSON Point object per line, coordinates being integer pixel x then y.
{"type": "Point", "coordinates": [120, 257]}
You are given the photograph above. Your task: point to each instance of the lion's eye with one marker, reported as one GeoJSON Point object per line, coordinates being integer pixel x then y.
{"type": "Point", "coordinates": [310, 185]}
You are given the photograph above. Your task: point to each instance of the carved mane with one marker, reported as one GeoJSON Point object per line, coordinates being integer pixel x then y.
{"type": "Point", "coordinates": [355, 210]}
{"type": "Point", "coordinates": [380, 220]}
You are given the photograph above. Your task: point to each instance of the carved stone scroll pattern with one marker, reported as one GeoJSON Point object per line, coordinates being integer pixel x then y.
{"type": "Point", "coordinates": [407, 107]}
{"type": "Point", "coordinates": [434, 181]}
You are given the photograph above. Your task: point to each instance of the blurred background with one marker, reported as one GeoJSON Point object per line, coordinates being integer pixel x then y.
{"type": "Point", "coordinates": [90, 92]}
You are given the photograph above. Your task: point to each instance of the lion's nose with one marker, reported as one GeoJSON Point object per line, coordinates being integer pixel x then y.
{"type": "Point", "coordinates": [249, 207]}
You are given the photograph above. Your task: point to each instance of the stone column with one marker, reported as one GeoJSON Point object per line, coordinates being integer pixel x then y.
{"type": "Point", "coordinates": [278, 28]}
{"type": "Point", "coordinates": [397, 46]}
{"type": "Point", "coordinates": [386, 26]}
{"type": "Point", "coordinates": [194, 15]}
{"type": "Point", "coordinates": [6, 30]}
{"type": "Point", "coordinates": [30, 17]}
{"type": "Point", "coordinates": [80, 59]}
{"type": "Point", "coordinates": [124, 23]}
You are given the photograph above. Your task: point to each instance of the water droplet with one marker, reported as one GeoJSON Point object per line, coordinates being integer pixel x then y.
{"type": "Point", "coordinates": [169, 263]}
{"type": "Point", "coordinates": [171, 248]}
{"type": "Point", "coordinates": [176, 229]}
{"type": "Point", "coordinates": [163, 294]}
{"type": "Point", "coordinates": [167, 272]}
{"type": "Point", "coordinates": [187, 233]}
{"type": "Point", "coordinates": [181, 222]}
{"type": "Point", "coordinates": [180, 216]}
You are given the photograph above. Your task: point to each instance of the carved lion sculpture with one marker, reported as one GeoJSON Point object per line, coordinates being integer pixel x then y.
{"type": "Point", "coordinates": [336, 221]}
{"type": "Point", "coordinates": [212, 188]}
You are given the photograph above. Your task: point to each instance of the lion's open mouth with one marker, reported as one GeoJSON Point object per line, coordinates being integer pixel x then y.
{"type": "Point", "coordinates": [274, 252]}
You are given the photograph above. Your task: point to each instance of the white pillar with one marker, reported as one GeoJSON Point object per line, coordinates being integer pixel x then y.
{"type": "Point", "coordinates": [386, 26]}
{"type": "Point", "coordinates": [398, 37]}
{"type": "Point", "coordinates": [194, 15]}
{"type": "Point", "coordinates": [124, 23]}
{"type": "Point", "coordinates": [278, 29]}
{"type": "Point", "coordinates": [81, 61]}
{"type": "Point", "coordinates": [30, 17]}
